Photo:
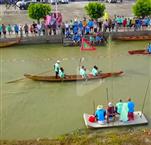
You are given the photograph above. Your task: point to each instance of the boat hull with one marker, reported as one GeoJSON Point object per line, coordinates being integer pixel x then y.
{"type": "Point", "coordinates": [143, 52]}
{"type": "Point", "coordinates": [9, 43]}
{"type": "Point", "coordinates": [134, 38]}
{"type": "Point", "coordinates": [71, 78]}
{"type": "Point", "coordinates": [139, 119]}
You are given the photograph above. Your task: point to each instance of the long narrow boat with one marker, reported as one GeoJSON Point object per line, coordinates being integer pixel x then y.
{"type": "Point", "coordinates": [143, 52]}
{"type": "Point", "coordinates": [8, 43]}
{"type": "Point", "coordinates": [133, 38]}
{"type": "Point", "coordinates": [70, 78]}
{"type": "Point", "coordinates": [139, 119]}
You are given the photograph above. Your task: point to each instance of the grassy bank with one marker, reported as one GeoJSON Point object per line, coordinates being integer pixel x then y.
{"type": "Point", "coordinates": [91, 137]}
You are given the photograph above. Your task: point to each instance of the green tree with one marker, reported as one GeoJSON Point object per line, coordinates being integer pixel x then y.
{"type": "Point", "coordinates": [38, 11]}
{"type": "Point", "coordinates": [142, 8]}
{"type": "Point", "coordinates": [95, 10]}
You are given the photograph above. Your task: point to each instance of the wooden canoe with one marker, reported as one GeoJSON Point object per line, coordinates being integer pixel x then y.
{"type": "Point", "coordinates": [8, 43]}
{"type": "Point", "coordinates": [70, 78]}
{"type": "Point", "coordinates": [139, 119]}
{"type": "Point", "coordinates": [134, 38]}
{"type": "Point", "coordinates": [143, 52]}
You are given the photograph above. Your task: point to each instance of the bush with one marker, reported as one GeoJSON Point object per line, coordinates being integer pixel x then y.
{"type": "Point", "coordinates": [142, 8]}
{"type": "Point", "coordinates": [95, 10]}
{"type": "Point", "coordinates": [38, 11]}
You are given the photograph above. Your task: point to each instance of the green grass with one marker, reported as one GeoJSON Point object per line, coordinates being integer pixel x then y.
{"type": "Point", "coordinates": [90, 137]}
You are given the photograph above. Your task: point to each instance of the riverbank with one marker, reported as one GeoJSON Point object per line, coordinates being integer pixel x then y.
{"type": "Point", "coordinates": [59, 39]}
{"type": "Point", "coordinates": [124, 136]}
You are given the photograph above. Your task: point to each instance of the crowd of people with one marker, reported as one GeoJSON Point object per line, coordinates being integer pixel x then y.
{"type": "Point", "coordinates": [76, 28]}
{"type": "Point", "coordinates": [34, 29]}
{"type": "Point", "coordinates": [123, 110]}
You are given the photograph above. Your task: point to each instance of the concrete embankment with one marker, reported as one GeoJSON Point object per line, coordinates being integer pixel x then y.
{"type": "Point", "coordinates": [58, 39]}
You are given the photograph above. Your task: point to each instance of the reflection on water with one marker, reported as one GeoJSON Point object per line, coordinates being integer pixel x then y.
{"type": "Point", "coordinates": [36, 109]}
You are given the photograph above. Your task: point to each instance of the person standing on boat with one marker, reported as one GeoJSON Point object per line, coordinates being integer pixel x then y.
{"type": "Point", "coordinates": [61, 73]}
{"type": "Point", "coordinates": [57, 68]}
{"type": "Point", "coordinates": [83, 72]}
{"type": "Point", "coordinates": [111, 112]}
{"type": "Point", "coordinates": [124, 112]}
{"type": "Point", "coordinates": [149, 48]}
{"type": "Point", "coordinates": [100, 114]}
{"type": "Point", "coordinates": [119, 106]}
{"type": "Point", "coordinates": [131, 106]}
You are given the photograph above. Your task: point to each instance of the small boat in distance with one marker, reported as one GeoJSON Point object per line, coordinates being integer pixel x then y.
{"type": "Point", "coordinates": [133, 38]}
{"type": "Point", "coordinates": [143, 52]}
{"type": "Point", "coordinates": [71, 78]}
{"type": "Point", "coordinates": [7, 43]}
{"type": "Point", "coordinates": [139, 119]}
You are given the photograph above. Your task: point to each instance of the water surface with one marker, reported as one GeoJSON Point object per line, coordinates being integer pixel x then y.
{"type": "Point", "coordinates": [45, 110]}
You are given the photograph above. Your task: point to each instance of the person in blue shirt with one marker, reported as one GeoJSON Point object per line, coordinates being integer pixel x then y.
{"type": "Point", "coordinates": [16, 29]}
{"type": "Point", "coordinates": [131, 106]}
{"type": "Point", "coordinates": [149, 48]}
{"type": "Point", "coordinates": [100, 114]}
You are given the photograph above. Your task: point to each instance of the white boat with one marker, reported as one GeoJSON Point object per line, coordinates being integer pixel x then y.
{"type": "Point", "coordinates": [139, 119]}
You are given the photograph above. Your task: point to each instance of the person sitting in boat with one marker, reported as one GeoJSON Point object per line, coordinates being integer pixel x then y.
{"type": "Point", "coordinates": [111, 112]}
{"type": "Point", "coordinates": [100, 114]}
{"type": "Point", "coordinates": [131, 106]}
{"type": "Point", "coordinates": [119, 107]}
{"type": "Point", "coordinates": [83, 72]}
{"type": "Point", "coordinates": [95, 71]}
{"type": "Point", "coordinates": [61, 73]}
{"type": "Point", "coordinates": [149, 48]}
{"type": "Point", "coordinates": [57, 68]}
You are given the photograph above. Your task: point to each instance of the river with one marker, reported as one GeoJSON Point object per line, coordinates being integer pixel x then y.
{"type": "Point", "coordinates": [32, 110]}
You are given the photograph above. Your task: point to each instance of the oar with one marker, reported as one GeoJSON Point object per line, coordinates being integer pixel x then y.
{"type": "Point", "coordinates": [81, 60]}
{"type": "Point", "coordinates": [107, 97]}
{"type": "Point", "coordinates": [145, 97]}
{"type": "Point", "coordinates": [94, 107]}
{"type": "Point", "coordinates": [13, 81]}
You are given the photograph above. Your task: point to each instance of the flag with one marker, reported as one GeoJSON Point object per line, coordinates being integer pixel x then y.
{"type": "Point", "coordinates": [86, 45]}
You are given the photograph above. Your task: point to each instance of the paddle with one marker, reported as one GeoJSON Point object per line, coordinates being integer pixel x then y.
{"type": "Point", "coordinates": [81, 60]}
{"type": "Point", "coordinates": [107, 97]}
{"type": "Point", "coordinates": [145, 97]}
{"type": "Point", "coordinates": [13, 81]}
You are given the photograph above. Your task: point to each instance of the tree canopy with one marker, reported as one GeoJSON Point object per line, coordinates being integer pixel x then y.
{"type": "Point", "coordinates": [37, 11]}
{"type": "Point", "coordinates": [95, 10]}
{"type": "Point", "coordinates": [142, 8]}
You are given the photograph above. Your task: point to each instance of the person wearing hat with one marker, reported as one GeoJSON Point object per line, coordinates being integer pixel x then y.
{"type": "Point", "coordinates": [57, 68]}
{"type": "Point", "coordinates": [100, 114]}
{"type": "Point", "coordinates": [111, 112]}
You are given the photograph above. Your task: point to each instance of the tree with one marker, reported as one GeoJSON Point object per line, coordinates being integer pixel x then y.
{"type": "Point", "coordinates": [142, 8]}
{"type": "Point", "coordinates": [95, 10]}
{"type": "Point", "coordinates": [37, 11]}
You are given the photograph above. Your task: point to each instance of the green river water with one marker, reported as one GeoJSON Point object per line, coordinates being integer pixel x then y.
{"type": "Point", "coordinates": [32, 110]}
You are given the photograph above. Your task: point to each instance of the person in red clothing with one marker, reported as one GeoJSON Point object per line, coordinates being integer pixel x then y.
{"type": "Point", "coordinates": [111, 112]}
{"type": "Point", "coordinates": [124, 23]}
